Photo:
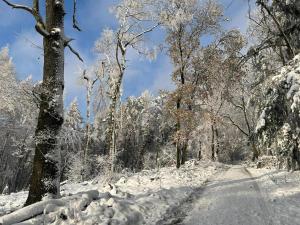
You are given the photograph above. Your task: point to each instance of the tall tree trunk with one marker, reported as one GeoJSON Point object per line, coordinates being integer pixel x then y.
{"type": "Point", "coordinates": [88, 129]}
{"type": "Point", "coordinates": [112, 121]}
{"type": "Point", "coordinates": [200, 151]}
{"type": "Point", "coordinates": [217, 147]}
{"type": "Point", "coordinates": [213, 157]}
{"type": "Point", "coordinates": [114, 101]}
{"type": "Point", "coordinates": [184, 153]}
{"type": "Point", "coordinates": [46, 168]}
{"type": "Point", "coordinates": [255, 152]}
{"type": "Point", "coordinates": [178, 147]}
{"type": "Point", "coordinates": [178, 156]}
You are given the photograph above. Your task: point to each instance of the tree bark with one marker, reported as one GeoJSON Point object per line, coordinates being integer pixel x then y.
{"type": "Point", "coordinates": [178, 156]}
{"type": "Point", "coordinates": [178, 148]}
{"type": "Point", "coordinates": [184, 153]}
{"type": "Point", "coordinates": [213, 157]}
{"type": "Point", "coordinates": [88, 129]}
{"type": "Point", "coordinates": [112, 121]}
{"type": "Point", "coordinates": [200, 151]}
{"type": "Point", "coordinates": [217, 148]}
{"type": "Point", "coordinates": [46, 168]}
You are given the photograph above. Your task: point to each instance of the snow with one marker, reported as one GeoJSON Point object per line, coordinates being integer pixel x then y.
{"type": "Point", "coordinates": [230, 197]}
{"type": "Point", "coordinates": [290, 75]}
{"type": "Point", "coordinates": [282, 189]}
{"type": "Point", "coordinates": [141, 198]}
{"type": "Point", "coordinates": [12, 202]}
{"type": "Point", "coordinates": [55, 31]}
{"type": "Point", "coordinates": [248, 196]}
{"type": "Point", "coordinates": [261, 121]}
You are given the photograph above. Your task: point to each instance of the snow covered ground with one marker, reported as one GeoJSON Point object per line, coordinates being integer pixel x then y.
{"type": "Point", "coordinates": [282, 190]}
{"type": "Point", "coordinates": [232, 195]}
{"type": "Point", "coordinates": [141, 198]}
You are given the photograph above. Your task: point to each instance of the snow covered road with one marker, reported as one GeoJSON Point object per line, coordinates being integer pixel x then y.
{"type": "Point", "coordinates": [232, 198]}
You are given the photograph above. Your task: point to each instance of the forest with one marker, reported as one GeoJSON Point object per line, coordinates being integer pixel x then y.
{"type": "Point", "coordinates": [232, 101]}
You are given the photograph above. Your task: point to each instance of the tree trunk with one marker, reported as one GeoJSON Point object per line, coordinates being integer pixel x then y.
{"type": "Point", "coordinates": [255, 152]}
{"type": "Point", "coordinates": [200, 151]}
{"type": "Point", "coordinates": [213, 157]}
{"type": "Point", "coordinates": [112, 121]}
{"type": "Point", "coordinates": [217, 148]}
{"type": "Point", "coordinates": [178, 147]}
{"type": "Point", "coordinates": [46, 168]}
{"type": "Point", "coordinates": [178, 155]}
{"type": "Point", "coordinates": [88, 130]}
{"type": "Point", "coordinates": [184, 153]}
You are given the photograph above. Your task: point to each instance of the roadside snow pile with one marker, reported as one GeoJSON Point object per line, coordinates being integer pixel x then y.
{"type": "Point", "coordinates": [12, 202]}
{"type": "Point", "coordinates": [283, 191]}
{"type": "Point", "coordinates": [268, 162]}
{"type": "Point", "coordinates": [142, 198]}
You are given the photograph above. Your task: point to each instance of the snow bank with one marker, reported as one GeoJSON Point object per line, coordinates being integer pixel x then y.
{"type": "Point", "coordinates": [142, 198]}
{"type": "Point", "coordinates": [268, 162]}
{"type": "Point", "coordinates": [30, 211]}
{"type": "Point", "coordinates": [12, 202]}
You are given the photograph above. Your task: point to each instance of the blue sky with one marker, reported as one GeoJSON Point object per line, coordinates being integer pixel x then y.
{"type": "Point", "coordinates": [17, 31]}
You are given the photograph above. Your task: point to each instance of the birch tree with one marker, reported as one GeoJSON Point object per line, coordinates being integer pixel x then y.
{"type": "Point", "coordinates": [90, 80]}
{"type": "Point", "coordinates": [46, 169]}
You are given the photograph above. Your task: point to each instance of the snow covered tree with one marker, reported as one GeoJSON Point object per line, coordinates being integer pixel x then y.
{"type": "Point", "coordinates": [277, 26]}
{"type": "Point", "coordinates": [71, 138]}
{"type": "Point", "coordinates": [186, 22]}
{"type": "Point", "coordinates": [278, 125]}
{"type": "Point", "coordinates": [90, 79]}
{"type": "Point", "coordinates": [17, 122]}
{"type": "Point", "coordinates": [136, 19]}
{"type": "Point", "coordinates": [8, 82]}
{"type": "Point", "coordinates": [46, 169]}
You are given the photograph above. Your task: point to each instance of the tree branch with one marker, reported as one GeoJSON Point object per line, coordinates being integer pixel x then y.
{"type": "Point", "coordinates": [17, 6]}
{"type": "Point", "coordinates": [35, 11]}
{"type": "Point", "coordinates": [141, 34]}
{"type": "Point", "coordinates": [74, 52]}
{"type": "Point", "coordinates": [259, 2]}
{"type": "Point", "coordinates": [75, 23]}
{"type": "Point", "coordinates": [237, 126]}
